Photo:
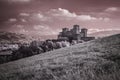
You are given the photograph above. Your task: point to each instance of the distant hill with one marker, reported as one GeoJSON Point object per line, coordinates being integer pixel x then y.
{"type": "Point", "coordinates": [8, 37]}
{"type": "Point", "coordinates": [94, 60]}
{"type": "Point", "coordinates": [45, 37]}
{"type": "Point", "coordinates": [105, 33]}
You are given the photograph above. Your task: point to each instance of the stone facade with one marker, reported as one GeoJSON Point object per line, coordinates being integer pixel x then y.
{"type": "Point", "coordinates": [74, 34]}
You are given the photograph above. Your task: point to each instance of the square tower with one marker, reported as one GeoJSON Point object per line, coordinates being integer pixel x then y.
{"type": "Point", "coordinates": [76, 29]}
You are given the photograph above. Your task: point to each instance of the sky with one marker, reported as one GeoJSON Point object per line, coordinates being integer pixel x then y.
{"type": "Point", "coordinates": [48, 17]}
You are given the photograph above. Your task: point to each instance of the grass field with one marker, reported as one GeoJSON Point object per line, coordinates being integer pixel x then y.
{"type": "Point", "coordinates": [94, 60]}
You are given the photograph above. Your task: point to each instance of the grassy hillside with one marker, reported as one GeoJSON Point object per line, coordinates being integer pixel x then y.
{"type": "Point", "coordinates": [94, 60]}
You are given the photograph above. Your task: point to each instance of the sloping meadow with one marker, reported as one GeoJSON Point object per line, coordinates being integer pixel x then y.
{"type": "Point", "coordinates": [94, 60]}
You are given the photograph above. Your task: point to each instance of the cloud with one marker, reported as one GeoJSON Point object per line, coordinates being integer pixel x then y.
{"type": "Point", "coordinates": [61, 15]}
{"type": "Point", "coordinates": [45, 30]}
{"type": "Point", "coordinates": [16, 21]}
{"type": "Point", "coordinates": [62, 12]}
{"type": "Point", "coordinates": [42, 17]}
{"type": "Point", "coordinates": [12, 20]}
{"type": "Point", "coordinates": [19, 26]}
{"type": "Point", "coordinates": [65, 14]}
{"type": "Point", "coordinates": [23, 20]}
{"type": "Point", "coordinates": [23, 31]}
{"type": "Point", "coordinates": [24, 14]}
{"type": "Point", "coordinates": [18, 1]}
{"type": "Point", "coordinates": [41, 27]}
{"type": "Point", "coordinates": [112, 9]}
{"type": "Point", "coordinates": [85, 17]}
{"type": "Point", "coordinates": [105, 19]}
{"type": "Point", "coordinates": [39, 17]}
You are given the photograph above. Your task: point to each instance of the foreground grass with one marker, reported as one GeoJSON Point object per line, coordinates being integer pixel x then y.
{"type": "Point", "coordinates": [94, 60]}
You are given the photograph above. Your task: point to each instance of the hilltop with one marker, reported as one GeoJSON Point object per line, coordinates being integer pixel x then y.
{"type": "Point", "coordinates": [105, 33]}
{"type": "Point", "coordinates": [94, 60]}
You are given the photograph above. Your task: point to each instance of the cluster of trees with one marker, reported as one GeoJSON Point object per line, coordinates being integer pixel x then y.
{"type": "Point", "coordinates": [36, 47]}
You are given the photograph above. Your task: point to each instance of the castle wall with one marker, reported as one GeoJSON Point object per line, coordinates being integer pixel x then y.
{"type": "Point", "coordinates": [75, 34]}
{"type": "Point", "coordinates": [87, 38]}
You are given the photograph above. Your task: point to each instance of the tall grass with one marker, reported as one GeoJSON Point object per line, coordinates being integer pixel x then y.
{"type": "Point", "coordinates": [95, 60]}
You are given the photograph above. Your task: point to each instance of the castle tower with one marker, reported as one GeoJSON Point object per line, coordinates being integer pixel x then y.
{"type": "Point", "coordinates": [76, 29]}
{"type": "Point", "coordinates": [64, 30]}
{"type": "Point", "coordinates": [84, 32]}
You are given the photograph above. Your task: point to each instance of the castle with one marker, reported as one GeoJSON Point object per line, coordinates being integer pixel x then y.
{"type": "Point", "coordinates": [74, 34]}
